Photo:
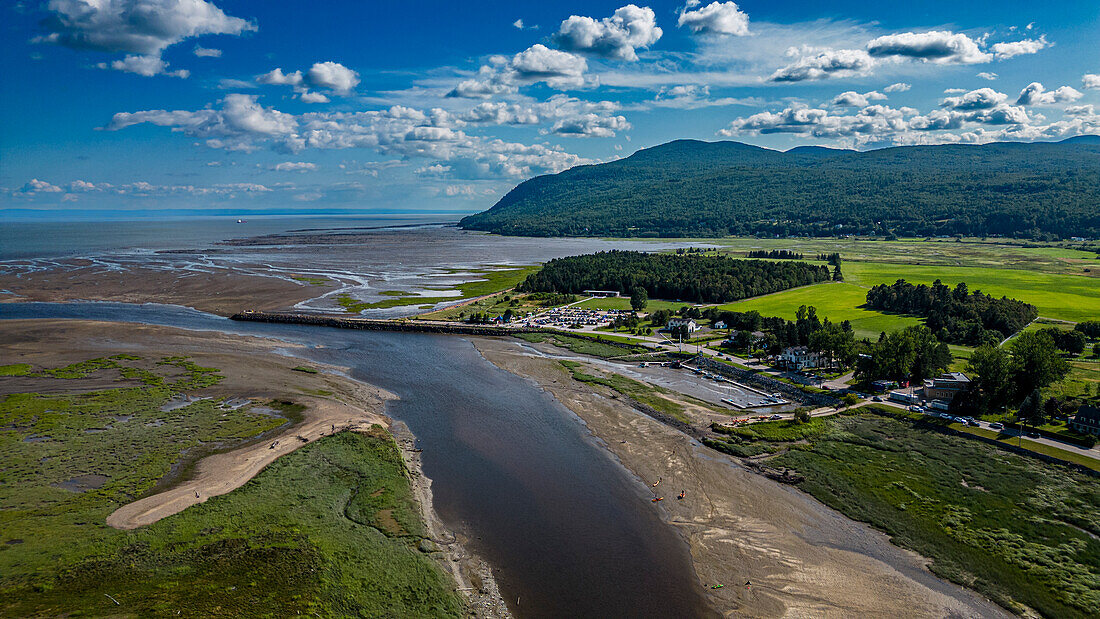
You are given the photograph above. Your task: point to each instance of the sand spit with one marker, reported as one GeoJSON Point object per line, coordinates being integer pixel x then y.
{"type": "Point", "coordinates": [218, 474]}
{"type": "Point", "coordinates": [776, 551]}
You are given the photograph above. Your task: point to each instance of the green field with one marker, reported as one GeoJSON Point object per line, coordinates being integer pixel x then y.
{"type": "Point", "coordinates": [329, 530]}
{"type": "Point", "coordinates": [1021, 531]}
{"type": "Point", "coordinates": [488, 280]}
{"type": "Point", "coordinates": [623, 303]}
{"type": "Point", "coordinates": [837, 301]}
{"type": "Point", "coordinates": [1065, 297]}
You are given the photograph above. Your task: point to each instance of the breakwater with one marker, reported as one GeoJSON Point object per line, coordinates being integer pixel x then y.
{"type": "Point", "coordinates": [412, 326]}
{"type": "Point", "coordinates": [770, 385]}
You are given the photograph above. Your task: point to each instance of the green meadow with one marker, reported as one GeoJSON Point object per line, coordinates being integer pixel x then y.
{"type": "Point", "coordinates": [331, 529]}
{"type": "Point", "coordinates": [837, 301]}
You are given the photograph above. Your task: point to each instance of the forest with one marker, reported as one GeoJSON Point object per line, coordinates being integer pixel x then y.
{"type": "Point", "coordinates": [956, 316]}
{"type": "Point", "coordinates": [696, 278]}
{"type": "Point", "coordinates": [689, 188]}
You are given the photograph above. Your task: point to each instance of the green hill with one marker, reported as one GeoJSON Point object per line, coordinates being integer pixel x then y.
{"type": "Point", "coordinates": [693, 188]}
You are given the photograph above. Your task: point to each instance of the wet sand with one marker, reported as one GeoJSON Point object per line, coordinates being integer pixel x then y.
{"type": "Point", "coordinates": [802, 558]}
{"type": "Point", "coordinates": [223, 293]}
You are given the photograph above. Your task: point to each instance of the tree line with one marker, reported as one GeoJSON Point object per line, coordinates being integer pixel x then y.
{"type": "Point", "coordinates": [695, 278]}
{"type": "Point", "coordinates": [775, 254]}
{"type": "Point", "coordinates": [957, 315]}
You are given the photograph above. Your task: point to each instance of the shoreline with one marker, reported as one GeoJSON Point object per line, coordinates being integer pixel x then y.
{"type": "Point", "coordinates": [473, 576]}
{"type": "Point", "coordinates": [797, 556]}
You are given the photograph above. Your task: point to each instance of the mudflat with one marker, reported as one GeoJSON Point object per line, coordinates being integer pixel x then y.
{"type": "Point", "coordinates": [776, 551]}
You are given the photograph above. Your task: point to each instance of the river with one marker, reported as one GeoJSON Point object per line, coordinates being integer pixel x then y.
{"type": "Point", "coordinates": [567, 529]}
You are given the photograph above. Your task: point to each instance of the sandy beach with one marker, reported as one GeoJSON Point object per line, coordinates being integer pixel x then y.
{"type": "Point", "coordinates": [776, 551]}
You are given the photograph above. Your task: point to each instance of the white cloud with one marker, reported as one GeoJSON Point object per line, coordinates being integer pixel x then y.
{"type": "Point", "coordinates": [869, 122]}
{"type": "Point", "coordinates": [852, 98]}
{"type": "Point", "coordinates": [937, 46]}
{"type": "Point", "coordinates": [334, 76]}
{"type": "Point", "coordinates": [825, 64]}
{"type": "Point", "coordinates": [294, 166]}
{"type": "Point", "coordinates": [240, 123]}
{"type": "Point", "coordinates": [277, 77]}
{"type": "Point", "coordinates": [898, 87]}
{"type": "Point", "coordinates": [1004, 51]}
{"type": "Point", "coordinates": [144, 65]}
{"type": "Point", "coordinates": [590, 126]}
{"type": "Point", "coordinates": [987, 75]}
{"type": "Point", "coordinates": [143, 27]}
{"type": "Point", "coordinates": [36, 186]}
{"type": "Point", "coordinates": [1090, 80]}
{"type": "Point", "coordinates": [518, 24]}
{"type": "Point", "coordinates": [1035, 94]}
{"type": "Point", "coordinates": [980, 99]}
{"type": "Point", "coordinates": [716, 18]}
{"type": "Point", "coordinates": [313, 97]}
{"type": "Point", "coordinates": [617, 37]}
{"type": "Point", "coordinates": [206, 52]}
{"type": "Point", "coordinates": [538, 63]}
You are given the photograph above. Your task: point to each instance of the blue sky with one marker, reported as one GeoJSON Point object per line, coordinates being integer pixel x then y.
{"type": "Point", "coordinates": [445, 106]}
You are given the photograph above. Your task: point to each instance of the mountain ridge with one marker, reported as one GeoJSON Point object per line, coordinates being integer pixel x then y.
{"type": "Point", "coordinates": [697, 188]}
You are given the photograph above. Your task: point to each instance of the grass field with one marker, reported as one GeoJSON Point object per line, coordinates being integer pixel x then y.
{"type": "Point", "coordinates": [1065, 297]}
{"type": "Point", "coordinates": [1014, 528]}
{"type": "Point", "coordinates": [838, 301]}
{"type": "Point", "coordinates": [329, 530]}
{"type": "Point", "coordinates": [623, 303]}
{"type": "Point", "coordinates": [489, 280]}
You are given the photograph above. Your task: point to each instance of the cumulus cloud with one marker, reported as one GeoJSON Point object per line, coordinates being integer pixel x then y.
{"type": "Point", "coordinates": [313, 97]}
{"type": "Point", "coordinates": [334, 76]}
{"type": "Point", "coordinates": [898, 87]}
{"type": "Point", "coordinates": [294, 166]}
{"type": "Point", "coordinates": [987, 75]}
{"type": "Point", "coordinates": [206, 52]}
{"type": "Point", "coordinates": [590, 125]}
{"type": "Point", "coordinates": [143, 27]}
{"type": "Point", "coordinates": [276, 76]}
{"type": "Point", "coordinates": [715, 18]}
{"type": "Point", "coordinates": [1035, 94]}
{"type": "Point", "coordinates": [147, 66]}
{"type": "Point", "coordinates": [331, 76]}
{"type": "Point", "coordinates": [980, 99]}
{"type": "Point", "coordinates": [36, 186]}
{"type": "Point", "coordinates": [1006, 50]}
{"type": "Point", "coordinates": [1090, 80]}
{"type": "Point", "coordinates": [241, 123]}
{"type": "Point", "coordinates": [538, 63]}
{"type": "Point", "coordinates": [852, 98]}
{"type": "Point", "coordinates": [825, 64]}
{"type": "Point", "coordinates": [937, 46]}
{"type": "Point", "coordinates": [873, 120]}
{"type": "Point", "coordinates": [617, 37]}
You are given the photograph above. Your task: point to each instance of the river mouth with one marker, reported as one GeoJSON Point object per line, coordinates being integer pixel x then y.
{"type": "Point", "coordinates": [568, 530]}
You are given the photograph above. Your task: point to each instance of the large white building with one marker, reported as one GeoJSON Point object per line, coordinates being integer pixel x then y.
{"type": "Point", "coordinates": [689, 324]}
{"type": "Point", "coordinates": [798, 358]}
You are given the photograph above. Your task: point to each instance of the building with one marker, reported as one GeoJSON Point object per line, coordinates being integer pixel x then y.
{"type": "Point", "coordinates": [602, 293]}
{"type": "Point", "coordinates": [721, 324]}
{"type": "Point", "coordinates": [798, 358]}
{"type": "Point", "coordinates": [946, 386]}
{"type": "Point", "coordinates": [687, 323]}
{"type": "Point", "coordinates": [1086, 421]}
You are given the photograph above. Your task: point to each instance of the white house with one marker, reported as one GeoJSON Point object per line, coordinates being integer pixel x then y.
{"type": "Point", "coordinates": [720, 325]}
{"type": "Point", "coordinates": [688, 324]}
{"type": "Point", "coordinates": [799, 357]}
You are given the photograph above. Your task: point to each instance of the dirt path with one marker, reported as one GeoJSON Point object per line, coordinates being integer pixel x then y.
{"type": "Point", "coordinates": [801, 558]}
{"type": "Point", "coordinates": [221, 473]}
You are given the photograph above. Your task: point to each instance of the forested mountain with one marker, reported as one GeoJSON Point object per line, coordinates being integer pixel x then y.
{"type": "Point", "coordinates": [701, 279]}
{"type": "Point", "coordinates": [693, 188]}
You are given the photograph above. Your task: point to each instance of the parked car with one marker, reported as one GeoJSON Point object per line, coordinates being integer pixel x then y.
{"type": "Point", "coordinates": [876, 399]}
{"type": "Point", "coordinates": [973, 422]}
{"type": "Point", "coordinates": [996, 425]}
{"type": "Point", "coordinates": [777, 416]}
